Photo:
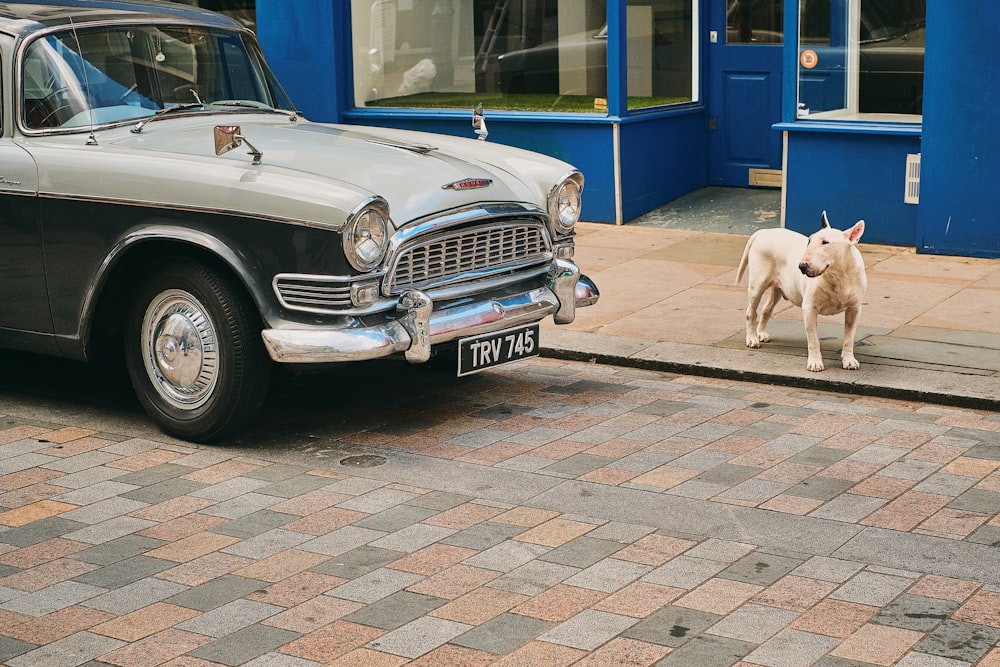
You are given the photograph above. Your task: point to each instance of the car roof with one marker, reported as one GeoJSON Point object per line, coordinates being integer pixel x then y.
{"type": "Point", "coordinates": [21, 18]}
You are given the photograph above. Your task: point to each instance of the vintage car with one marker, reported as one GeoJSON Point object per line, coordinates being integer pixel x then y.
{"type": "Point", "coordinates": [161, 196]}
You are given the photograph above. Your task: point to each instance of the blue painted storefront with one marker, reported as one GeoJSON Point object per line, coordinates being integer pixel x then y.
{"type": "Point", "coordinates": [634, 163]}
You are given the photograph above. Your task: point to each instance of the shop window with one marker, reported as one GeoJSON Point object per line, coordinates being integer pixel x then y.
{"type": "Point", "coordinates": [754, 22]}
{"type": "Point", "coordinates": [861, 59]}
{"type": "Point", "coordinates": [521, 55]}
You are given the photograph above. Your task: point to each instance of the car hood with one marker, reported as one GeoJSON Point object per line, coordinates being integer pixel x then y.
{"type": "Point", "coordinates": [411, 170]}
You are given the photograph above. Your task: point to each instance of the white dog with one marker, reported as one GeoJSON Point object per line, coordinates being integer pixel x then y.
{"type": "Point", "coordinates": [823, 274]}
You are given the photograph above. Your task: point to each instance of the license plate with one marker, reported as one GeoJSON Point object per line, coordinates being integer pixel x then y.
{"type": "Point", "coordinates": [495, 349]}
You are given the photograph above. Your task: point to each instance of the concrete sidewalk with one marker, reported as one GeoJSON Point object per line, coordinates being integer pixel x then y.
{"type": "Point", "coordinates": [930, 325]}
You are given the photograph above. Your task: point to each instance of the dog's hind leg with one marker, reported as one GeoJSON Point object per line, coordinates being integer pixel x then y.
{"type": "Point", "coordinates": [851, 316]}
{"type": "Point", "coordinates": [754, 295]}
{"type": "Point", "coordinates": [768, 302]}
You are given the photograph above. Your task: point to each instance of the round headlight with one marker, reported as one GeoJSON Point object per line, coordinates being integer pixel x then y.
{"type": "Point", "coordinates": [565, 202]}
{"type": "Point", "coordinates": [366, 235]}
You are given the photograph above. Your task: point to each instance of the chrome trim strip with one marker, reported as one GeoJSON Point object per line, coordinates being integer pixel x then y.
{"type": "Point", "coordinates": [357, 343]}
{"type": "Point", "coordinates": [190, 209]}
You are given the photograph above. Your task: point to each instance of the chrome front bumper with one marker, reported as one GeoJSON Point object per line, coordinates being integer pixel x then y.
{"type": "Point", "coordinates": [419, 326]}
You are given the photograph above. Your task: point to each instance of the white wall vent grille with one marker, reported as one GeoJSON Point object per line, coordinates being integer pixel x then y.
{"type": "Point", "coordinates": [912, 194]}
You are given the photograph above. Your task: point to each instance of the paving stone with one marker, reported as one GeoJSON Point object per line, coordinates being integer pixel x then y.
{"type": "Point", "coordinates": [418, 637]}
{"type": "Point", "coordinates": [413, 538]}
{"type": "Point", "coordinates": [705, 460]}
{"type": "Point", "coordinates": [11, 648]}
{"type": "Point", "coordinates": [375, 585]}
{"type": "Point", "coordinates": [125, 572]}
{"type": "Point", "coordinates": [341, 541]}
{"type": "Point", "coordinates": [503, 634]}
{"type": "Point", "coordinates": [216, 592]}
{"type": "Point", "coordinates": [910, 469]}
{"type": "Point", "coordinates": [229, 618]}
{"type": "Point", "coordinates": [279, 472]}
{"type": "Point", "coordinates": [135, 596]}
{"type": "Point", "coordinates": [280, 660]}
{"type": "Point", "coordinates": [396, 518]}
{"type": "Point", "coordinates": [155, 474]}
{"type": "Point", "coordinates": [872, 589]}
{"type": "Point", "coordinates": [507, 555]}
{"type": "Point", "coordinates": [267, 544]}
{"type": "Point", "coordinates": [684, 572]}
{"type": "Point", "coordinates": [395, 610]}
{"type": "Point", "coordinates": [663, 408]}
{"type": "Point", "coordinates": [291, 486]}
{"type": "Point", "coordinates": [90, 477]}
{"type": "Point", "coordinates": [705, 651]}
{"type": "Point", "coordinates": [724, 551]}
{"type": "Point", "coordinates": [792, 648]}
{"type": "Point", "coordinates": [73, 650]}
{"type": "Point", "coordinates": [579, 464]}
{"type": "Point", "coordinates": [755, 491]}
{"type": "Point", "coordinates": [672, 626]}
{"type": "Point", "coordinates": [828, 569]}
{"type": "Point", "coordinates": [39, 531]}
{"type": "Point", "coordinates": [377, 501]}
{"type": "Point", "coordinates": [945, 485]}
{"type": "Point", "coordinates": [959, 641]}
{"type": "Point", "coordinates": [439, 500]}
{"type": "Point", "coordinates": [52, 598]}
{"type": "Point", "coordinates": [977, 500]}
{"type": "Point", "coordinates": [104, 510]}
{"type": "Point", "coordinates": [109, 530]}
{"type": "Point", "coordinates": [533, 578]}
{"type": "Point", "coordinates": [609, 575]}
{"type": "Point", "coordinates": [879, 454]}
{"type": "Point", "coordinates": [986, 535]}
{"type": "Point", "coordinates": [726, 474]}
{"type": "Point", "coordinates": [985, 450]}
{"type": "Point", "coordinates": [588, 629]}
{"type": "Point", "coordinates": [118, 550]}
{"type": "Point", "coordinates": [357, 562]}
{"type": "Point", "coordinates": [164, 491]}
{"type": "Point", "coordinates": [819, 488]}
{"type": "Point", "coordinates": [753, 623]}
{"type": "Point", "coordinates": [617, 531]}
{"type": "Point", "coordinates": [848, 508]}
{"type": "Point", "coordinates": [253, 524]}
{"type": "Point", "coordinates": [241, 505]}
{"type": "Point", "coordinates": [694, 488]}
{"type": "Point", "coordinates": [81, 462]}
{"type": "Point", "coordinates": [244, 645]}
{"type": "Point", "coordinates": [916, 612]}
{"type": "Point", "coordinates": [581, 552]}
{"type": "Point", "coordinates": [760, 568]}
{"type": "Point", "coordinates": [483, 536]}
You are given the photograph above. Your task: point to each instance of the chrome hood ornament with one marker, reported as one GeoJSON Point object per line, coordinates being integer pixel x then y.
{"type": "Point", "coordinates": [479, 122]}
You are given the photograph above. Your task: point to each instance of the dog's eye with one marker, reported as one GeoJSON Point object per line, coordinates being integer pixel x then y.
{"type": "Point", "coordinates": [824, 242]}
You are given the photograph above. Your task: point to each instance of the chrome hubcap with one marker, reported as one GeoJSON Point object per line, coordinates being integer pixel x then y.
{"type": "Point", "coordinates": [179, 349]}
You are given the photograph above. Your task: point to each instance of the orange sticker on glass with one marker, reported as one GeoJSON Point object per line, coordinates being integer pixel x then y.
{"type": "Point", "coordinates": [809, 59]}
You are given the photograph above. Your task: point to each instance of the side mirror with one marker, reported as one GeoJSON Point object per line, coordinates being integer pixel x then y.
{"type": "Point", "coordinates": [229, 137]}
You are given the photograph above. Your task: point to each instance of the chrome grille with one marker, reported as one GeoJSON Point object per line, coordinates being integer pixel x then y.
{"type": "Point", "coordinates": [313, 292]}
{"type": "Point", "coordinates": [466, 254]}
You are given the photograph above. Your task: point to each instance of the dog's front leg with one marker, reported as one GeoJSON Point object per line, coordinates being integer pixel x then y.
{"type": "Point", "coordinates": [851, 317]}
{"type": "Point", "coordinates": [810, 315]}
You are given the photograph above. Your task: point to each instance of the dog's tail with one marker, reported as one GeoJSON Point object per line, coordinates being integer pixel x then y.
{"type": "Point", "coordinates": [744, 259]}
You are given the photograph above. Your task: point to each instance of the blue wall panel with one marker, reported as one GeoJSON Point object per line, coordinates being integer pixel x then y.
{"type": "Point", "coordinates": [662, 159]}
{"type": "Point", "coordinates": [301, 41]}
{"type": "Point", "coordinates": [851, 177]}
{"type": "Point", "coordinates": [960, 162]}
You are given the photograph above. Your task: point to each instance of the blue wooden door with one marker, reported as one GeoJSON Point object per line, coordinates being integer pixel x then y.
{"type": "Point", "coordinates": [744, 89]}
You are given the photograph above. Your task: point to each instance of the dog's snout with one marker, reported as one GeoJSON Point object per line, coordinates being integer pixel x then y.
{"type": "Point", "coordinates": [804, 268]}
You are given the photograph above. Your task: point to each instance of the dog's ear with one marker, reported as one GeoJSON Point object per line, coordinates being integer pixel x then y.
{"type": "Point", "coordinates": [824, 222]}
{"type": "Point", "coordinates": [854, 233]}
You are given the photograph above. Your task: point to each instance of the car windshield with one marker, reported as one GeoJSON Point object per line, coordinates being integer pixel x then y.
{"type": "Point", "coordinates": [86, 77]}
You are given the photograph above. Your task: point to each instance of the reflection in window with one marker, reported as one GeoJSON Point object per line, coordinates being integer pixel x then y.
{"type": "Point", "coordinates": [861, 57]}
{"type": "Point", "coordinates": [526, 55]}
{"type": "Point", "coordinates": [754, 22]}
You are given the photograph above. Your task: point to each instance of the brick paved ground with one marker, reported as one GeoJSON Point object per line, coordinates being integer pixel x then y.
{"type": "Point", "coordinates": [551, 514]}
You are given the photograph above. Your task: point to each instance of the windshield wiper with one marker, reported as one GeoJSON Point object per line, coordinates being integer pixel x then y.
{"type": "Point", "coordinates": [160, 113]}
{"type": "Point", "coordinates": [255, 105]}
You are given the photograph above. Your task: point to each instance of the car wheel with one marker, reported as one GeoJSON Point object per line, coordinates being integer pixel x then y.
{"type": "Point", "coordinates": [194, 353]}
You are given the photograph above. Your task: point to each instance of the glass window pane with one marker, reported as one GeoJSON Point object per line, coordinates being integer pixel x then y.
{"type": "Point", "coordinates": [659, 53]}
{"type": "Point", "coordinates": [754, 22]}
{"type": "Point", "coordinates": [523, 55]}
{"type": "Point", "coordinates": [861, 58]}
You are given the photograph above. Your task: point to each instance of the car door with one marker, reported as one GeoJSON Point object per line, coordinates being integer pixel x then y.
{"type": "Point", "coordinates": [24, 306]}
